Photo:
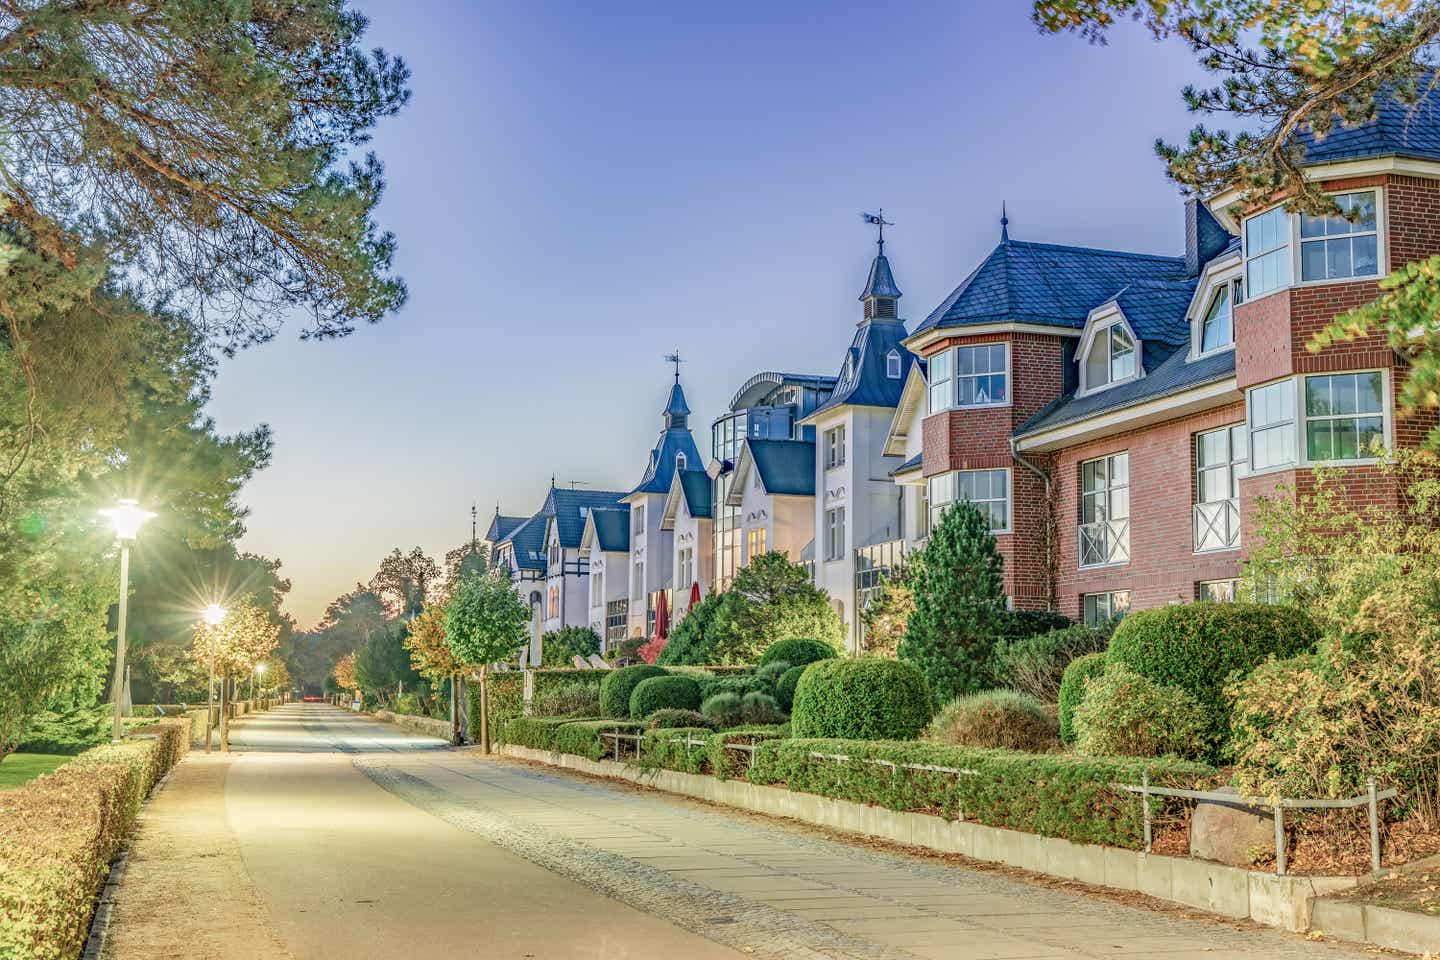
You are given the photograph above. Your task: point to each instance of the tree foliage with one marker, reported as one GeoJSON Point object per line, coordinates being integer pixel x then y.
{"type": "Point", "coordinates": [430, 655]}
{"type": "Point", "coordinates": [558, 646]}
{"type": "Point", "coordinates": [404, 580]}
{"type": "Point", "coordinates": [344, 673]}
{"type": "Point", "coordinates": [959, 605]}
{"type": "Point", "coordinates": [245, 638]}
{"type": "Point", "coordinates": [485, 620]}
{"type": "Point", "coordinates": [888, 614]}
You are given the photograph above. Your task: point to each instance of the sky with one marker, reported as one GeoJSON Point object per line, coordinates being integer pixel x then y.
{"type": "Point", "coordinates": [579, 189]}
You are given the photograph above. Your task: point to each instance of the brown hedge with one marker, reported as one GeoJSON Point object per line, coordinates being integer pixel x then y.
{"type": "Point", "coordinates": [59, 833]}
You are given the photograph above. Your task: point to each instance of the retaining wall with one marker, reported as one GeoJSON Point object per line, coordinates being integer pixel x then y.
{"type": "Point", "coordinates": [426, 726]}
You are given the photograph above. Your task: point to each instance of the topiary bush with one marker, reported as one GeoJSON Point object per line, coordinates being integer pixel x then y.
{"type": "Point", "coordinates": [797, 651]}
{"type": "Point", "coordinates": [1072, 690]}
{"type": "Point", "coordinates": [1126, 715]}
{"type": "Point", "coordinates": [671, 719]}
{"type": "Point", "coordinates": [664, 692]}
{"type": "Point", "coordinates": [1199, 647]}
{"type": "Point", "coordinates": [785, 688]}
{"type": "Point", "coordinates": [1035, 665]}
{"type": "Point", "coordinates": [575, 699]}
{"type": "Point", "coordinates": [771, 673]}
{"type": "Point", "coordinates": [558, 647]}
{"type": "Point", "coordinates": [739, 685]}
{"type": "Point", "coordinates": [867, 699]}
{"type": "Point", "coordinates": [761, 709]}
{"type": "Point", "coordinates": [723, 710]}
{"type": "Point", "coordinates": [1000, 719]}
{"type": "Point", "coordinates": [617, 686]}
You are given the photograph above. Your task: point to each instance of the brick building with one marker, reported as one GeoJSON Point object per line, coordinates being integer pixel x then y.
{"type": "Point", "coordinates": [1116, 415]}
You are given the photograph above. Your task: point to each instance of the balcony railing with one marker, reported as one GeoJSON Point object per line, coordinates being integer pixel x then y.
{"type": "Point", "coordinates": [1104, 542]}
{"type": "Point", "coordinates": [1217, 525]}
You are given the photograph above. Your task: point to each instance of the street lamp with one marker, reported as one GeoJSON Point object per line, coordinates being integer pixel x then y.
{"type": "Point", "coordinates": [126, 518]}
{"type": "Point", "coordinates": [214, 615]}
{"type": "Point", "coordinates": [259, 676]}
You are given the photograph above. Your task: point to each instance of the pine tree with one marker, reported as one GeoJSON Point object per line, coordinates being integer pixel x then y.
{"type": "Point", "coordinates": [959, 601]}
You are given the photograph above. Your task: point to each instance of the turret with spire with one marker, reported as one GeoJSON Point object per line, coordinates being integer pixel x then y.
{"type": "Point", "coordinates": [880, 295]}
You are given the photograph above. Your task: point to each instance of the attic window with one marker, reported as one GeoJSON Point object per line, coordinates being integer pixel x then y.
{"type": "Point", "coordinates": [849, 368]}
{"type": "Point", "coordinates": [1217, 330]}
{"type": "Point", "coordinates": [679, 461]}
{"type": "Point", "coordinates": [892, 364]}
{"type": "Point", "coordinates": [1111, 358]}
{"type": "Point", "coordinates": [582, 512]}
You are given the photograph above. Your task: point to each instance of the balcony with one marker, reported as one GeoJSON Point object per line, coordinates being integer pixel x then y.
{"type": "Point", "coordinates": [1217, 525]}
{"type": "Point", "coordinates": [1105, 542]}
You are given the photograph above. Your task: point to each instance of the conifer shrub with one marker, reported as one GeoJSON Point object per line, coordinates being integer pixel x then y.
{"type": "Point", "coordinates": [618, 685]}
{"type": "Point", "coordinates": [723, 710]}
{"type": "Point", "coordinates": [1072, 690]}
{"type": "Point", "coordinates": [664, 692]}
{"type": "Point", "coordinates": [738, 684]}
{"type": "Point", "coordinates": [785, 688]}
{"type": "Point", "coordinates": [868, 698]}
{"type": "Point", "coordinates": [797, 651]}
{"type": "Point", "coordinates": [771, 672]}
{"type": "Point", "coordinates": [959, 605]}
{"type": "Point", "coordinates": [1126, 715]}
{"type": "Point", "coordinates": [1199, 647]}
{"type": "Point", "coordinates": [1000, 719]}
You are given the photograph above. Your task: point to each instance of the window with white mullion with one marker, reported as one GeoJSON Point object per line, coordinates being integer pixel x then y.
{"type": "Point", "coordinates": [1217, 330]}
{"type": "Point", "coordinates": [1112, 357]}
{"type": "Point", "coordinates": [940, 382]}
{"type": "Point", "coordinates": [1221, 459]}
{"type": "Point", "coordinates": [1342, 245]}
{"type": "Point", "coordinates": [1105, 511]}
{"type": "Point", "coordinates": [981, 375]}
{"type": "Point", "coordinates": [1267, 252]}
{"type": "Point", "coordinates": [1271, 410]}
{"type": "Point", "coordinates": [1344, 416]}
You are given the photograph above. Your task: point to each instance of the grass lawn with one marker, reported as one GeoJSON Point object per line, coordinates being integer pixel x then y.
{"type": "Point", "coordinates": [21, 768]}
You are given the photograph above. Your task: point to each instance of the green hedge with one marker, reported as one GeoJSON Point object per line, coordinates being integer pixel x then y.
{"type": "Point", "coordinates": [1200, 646]}
{"type": "Point", "coordinates": [659, 751]}
{"type": "Point", "coordinates": [733, 763]}
{"type": "Point", "coordinates": [617, 686]}
{"type": "Point", "coordinates": [1072, 690]}
{"type": "Point", "coordinates": [582, 737]}
{"type": "Point", "coordinates": [797, 652]}
{"type": "Point", "coordinates": [1054, 795]}
{"type": "Point", "coordinates": [663, 693]}
{"type": "Point", "coordinates": [507, 692]}
{"type": "Point", "coordinates": [785, 687]}
{"type": "Point", "coordinates": [863, 699]}
{"type": "Point", "coordinates": [739, 684]}
{"type": "Point", "coordinates": [537, 733]}
{"type": "Point", "coordinates": [59, 833]}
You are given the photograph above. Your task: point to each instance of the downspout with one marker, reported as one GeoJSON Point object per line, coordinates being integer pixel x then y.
{"type": "Point", "coordinates": [1050, 571]}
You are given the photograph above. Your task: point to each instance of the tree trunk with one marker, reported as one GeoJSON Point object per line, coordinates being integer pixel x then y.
{"type": "Point", "coordinates": [225, 711]}
{"type": "Point", "coordinates": [485, 709]}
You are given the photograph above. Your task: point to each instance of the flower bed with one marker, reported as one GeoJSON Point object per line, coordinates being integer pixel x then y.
{"type": "Point", "coordinates": [59, 833]}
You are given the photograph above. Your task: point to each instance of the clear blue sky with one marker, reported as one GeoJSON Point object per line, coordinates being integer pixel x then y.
{"type": "Point", "coordinates": [579, 188]}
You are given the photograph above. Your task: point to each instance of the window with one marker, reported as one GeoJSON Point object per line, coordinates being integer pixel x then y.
{"type": "Point", "coordinates": [940, 382]}
{"type": "Point", "coordinates": [981, 375]}
{"type": "Point", "coordinates": [617, 612]}
{"type": "Point", "coordinates": [987, 490]}
{"type": "Point", "coordinates": [680, 461]}
{"type": "Point", "coordinates": [1111, 358]}
{"type": "Point", "coordinates": [637, 519]}
{"type": "Point", "coordinates": [1267, 252]}
{"type": "Point", "coordinates": [687, 566]}
{"type": "Point", "coordinates": [637, 582]}
{"type": "Point", "coordinates": [892, 364]}
{"type": "Point", "coordinates": [1272, 425]}
{"type": "Point", "coordinates": [1105, 511]}
{"type": "Point", "coordinates": [1217, 591]}
{"type": "Point", "coordinates": [834, 447]}
{"type": "Point", "coordinates": [922, 512]}
{"type": "Point", "coordinates": [835, 533]}
{"type": "Point", "coordinates": [1220, 461]}
{"type": "Point", "coordinates": [755, 541]}
{"type": "Point", "coordinates": [942, 492]}
{"type": "Point", "coordinates": [597, 589]}
{"type": "Point", "coordinates": [554, 556]}
{"type": "Point", "coordinates": [1099, 609]}
{"type": "Point", "coordinates": [1217, 330]}
{"type": "Point", "coordinates": [1344, 415]}
{"type": "Point", "coordinates": [1344, 245]}
{"type": "Point", "coordinates": [554, 603]}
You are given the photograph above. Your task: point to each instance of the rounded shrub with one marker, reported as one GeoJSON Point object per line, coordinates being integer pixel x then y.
{"type": "Point", "coordinates": [669, 719]}
{"type": "Point", "coordinates": [797, 652]}
{"type": "Point", "coordinates": [664, 692]}
{"type": "Point", "coordinates": [867, 699]}
{"type": "Point", "coordinates": [996, 718]}
{"type": "Point", "coordinates": [760, 708]}
{"type": "Point", "coordinates": [771, 673]}
{"type": "Point", "coordinates": [617, 686]}
{"type": "Point", "coordinates": [723, 710]}
{"type": "Point", "coordinates": [1072, 690]}
{"type": "Point", "coordinates": [1199, 647]}
{"type": "Point", "coordinates": [1126, 715]}
{"type": "Point", "coordinates": [1036, 664]}
{"type": "Point", "coordinates": [785, 686]}
{"type": "Point", "coordinates": [739, 685]}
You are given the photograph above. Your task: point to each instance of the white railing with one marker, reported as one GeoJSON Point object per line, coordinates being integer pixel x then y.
{"type": "Point", "coordinates": [1104, 542]}
{"type": "Point", "coordinates": [1217, 525]}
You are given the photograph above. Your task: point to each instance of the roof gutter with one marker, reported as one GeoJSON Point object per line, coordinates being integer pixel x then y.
{"type": "Point", "coordinates": [1049, 537]}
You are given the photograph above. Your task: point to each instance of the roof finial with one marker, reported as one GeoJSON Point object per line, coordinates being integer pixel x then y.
{"type": "Point", "coordinates": [1004, 224]}
{"type": "Point", "coordinates": [474, 529]}
{"type": "Point", "coordinates": [879, 221]}
{"type": "Point", "coordinates": [675, 359]}
{"type": "Point", "coordinates": [552, 481]}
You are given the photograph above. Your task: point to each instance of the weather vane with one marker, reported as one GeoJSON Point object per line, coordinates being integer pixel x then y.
{"type": "Point", "coordinates": [878, 220]}
{"type": "Point", "coordinates": [675, 359]}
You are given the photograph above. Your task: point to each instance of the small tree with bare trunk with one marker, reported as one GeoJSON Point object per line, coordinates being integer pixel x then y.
{"type": "Point", "coordinates": [485, 621]}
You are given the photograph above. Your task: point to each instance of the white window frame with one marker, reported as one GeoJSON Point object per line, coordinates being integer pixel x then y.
{"type": "Point", "coordinates": [685, 563]}
{"type": "Point", "coordinates": [597, 589]}
{"type": "Point", "coordinates": [1234, 586]}
{"type": "Point", "coordinates": [1382, 248]}
{"type": "Point", "coordinates": [952, 358]}
{"type": "Point", "coordinates": [893, 365]}
{"type": "Point", "coordinates": [834, 442]}
{"type": "Point", "coordinates": [637, 576]}
{"type": "Point", "coordinates": [1236, 467]}
{"type": "Point", "coordinates": [1299, 448]}
{"type": "Point", "coordinates": [1105, 492]}
{"type": "Point", "coordinates": [1092, 340]}
{"type": "Point", "coordinates": [1109, 614]}
{"type": "Point", "coordinates": [834, 534]}
{"type": "Point", "coordinates": [680, 461]}
{"type": "Point", "coordinates": [637, 519]}
{"type": "Point", "coordinates": [951, 484]}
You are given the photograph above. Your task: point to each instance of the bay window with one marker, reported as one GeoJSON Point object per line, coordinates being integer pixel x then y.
{"type": "Point", "coordinates": [986, 490]}
{"type": "Point", "coordinates": [940, 382]}
{"type": "Point", "coordinates": [1267, 252]}
{"type": "Point", "coordinates": [1341, 416]}
{"type": "Point", "coordinates": [1341, 245]}
{"type": "Point", "coordinates": [1105, 511]}
{"type": "Point", "coordinates": [977, 376]}
{"type": "Point", "coordinates": [1112, 358]}
{"type": "Point", "coordinates": [1272, 425]}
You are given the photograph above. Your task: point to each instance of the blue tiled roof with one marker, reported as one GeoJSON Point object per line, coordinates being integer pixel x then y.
{"type": "Point", "coordinates": [699, 490]}
{"type": "Point", "coordinates": [528, 542]}
{"type": "Point", "coordinates": [565, 506]}
{"type": "Point", "coordinates": [1046, 284]}
{"type": "Point", "coordinates": [1398, 129]}
{"type": "Point", "coordinates": [1155, 309]}
{"type": "Point", "coordinates": [881, 282]}
{"type": "Point", "coordinates": [502, 526]}
{"type": "Point", "coordinates": [661, 468]}
{"type": "Point", "coordinates": [1171, 376]}
{"type": "Point", "coordinates": [869, 384]}
{"type": "Point", "coordinates": [909, 466]}
{"type": "Point", "coordinates": [612, 528]}
{"type": "Point", "coordinates": [787, 467]}
{"type": "Point", "coordinates": [676, 405]}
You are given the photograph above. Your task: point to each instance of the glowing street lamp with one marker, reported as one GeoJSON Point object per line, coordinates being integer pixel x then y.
{"type": "Point", "coordinates": [126, 518]}
{"type": "Point", "coordinates": [214, 615]}
{"type": "Point", "coordinates": [259, 675]}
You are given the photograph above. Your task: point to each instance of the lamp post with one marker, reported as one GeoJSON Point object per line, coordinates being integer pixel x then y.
{"type": "Point", "coordinates": [257, 677]}
{"type": "Point", "coordinates": [126, 518]}
{"type": "Point", "coordinates": [214, 615]}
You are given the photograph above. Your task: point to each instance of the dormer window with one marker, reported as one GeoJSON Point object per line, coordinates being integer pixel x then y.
{"type": "Point", "coordinates": [679, 461]}
{"type": "Point", "coordinates": [1217, 330]}
{"type": "Point", "coordinates": [849, 368]}
{"type": "Point", "coordinates": [1111, 358]}
{"type": "Point", "coordinates": [892, 364]}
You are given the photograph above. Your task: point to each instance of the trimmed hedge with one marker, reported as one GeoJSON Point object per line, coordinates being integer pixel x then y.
{"type": "Point", "coordinates": [1054, 795]}
{"type": "Point", "coordinates": [582, 737]}
{"type": "Point", "coordinates": [59, 833]}
{"type": "Point", "coordinates": [1072, 690]}
{"type": "Point", "coordinates": [663, 693]}
{"type": "Point", "coordinates": [733, 763]}
{"type": "Point", "coordinates": [674, 719]}
{"type": "Point", "coordinates": [867, 699]}
{"type": "Point", "coordinates": [659, 751]}
{"type": "Point", "coordinates": [538, 733]}
{"type": "Point", "coordinates": [797, 652]}
{"type": "Point", "coordinates": [739, 685]}
{"type": "Point", "coordinates": [1200, 646]}
{"type": "Point", "coordinates": [785, 687]}
{"type": "Point", "coordinates": [617, 686]}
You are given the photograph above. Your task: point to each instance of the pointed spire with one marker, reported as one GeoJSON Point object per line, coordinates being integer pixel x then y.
{"type": "Point", "coordinates": [677, 411]}
{"type": "Point", "coordinates": [1004, 224]}
{"type": "Point", "coordinates": [880, 291]}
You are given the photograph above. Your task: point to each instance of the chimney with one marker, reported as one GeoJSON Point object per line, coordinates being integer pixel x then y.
{"type": "Point", "coordinates": [1204, 237]}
